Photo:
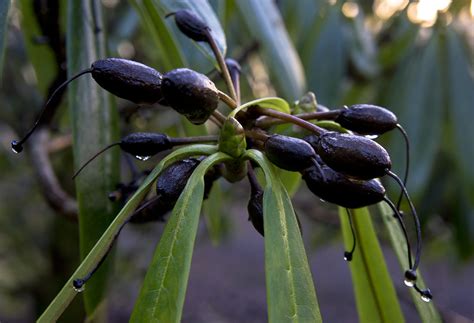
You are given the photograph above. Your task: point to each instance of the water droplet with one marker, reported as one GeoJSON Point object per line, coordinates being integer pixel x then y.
{"type": "Point", "coordinates": [143, 158]}
{"type": "Point", "coordinates": [409, 283]}
{"type": "Point", "coordinates": [16, 147]}
{"type": "Point", "coordinates": [322, 200]}
{"type": "Point", "coordinates": [347, 256]}
{"type": "Point", "coordinates": [426, 298]}
{"type": "Point", "coordinates": [80, 289]}
{"type": "Point", "coordinates": [371, 137]}
{"type": "Point", "coordinates": [79, 285]}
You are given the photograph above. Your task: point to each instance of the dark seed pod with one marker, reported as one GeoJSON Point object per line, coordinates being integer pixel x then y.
{"type": "Point", "coordinates": [338, 189]}
{"type": "Point", "coordinates": [191, 25]}
{"type": "Point", "coordinates": [367, 119]}
{"type": "Point", "coordinates": [145, 144]}
{"type": "Point", "coordinates": [190, 93]}
{"type": "Point", "coordinates": [289, 153]}
{"type": "Point", "coordinates": [255, 205]}
{"type": "Point", "coordinates": [354, 156]}
{"type": "Point", "coordinates": [173, 179]}
{"type": "Point", "coordinates": [128, 79]}
{"type": "Point", "coordinates": [168, 195]}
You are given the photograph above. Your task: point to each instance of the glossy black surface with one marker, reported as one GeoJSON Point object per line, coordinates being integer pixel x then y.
{"type": "Point", "coordinates": [145, 143]}
{"type": "Point", "coordinates": [191, 25]}
{"type": "Point", "coordinates": [334, 187]}
{"type": "Point", "coordinates": [190, 93]}
{"type": "Point", "coordinates": [128, 79]}
{"type": "Point", "coordinates": [289, 153]}
{"type": "Point", "coordinates": [367, 119]}
{"type": "Point", "coordinates": [352, 155]}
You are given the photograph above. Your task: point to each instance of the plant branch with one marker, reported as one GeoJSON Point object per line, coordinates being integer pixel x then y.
{"type": "Point", "coordinates": [222, 64]}
{"type": "Point", "coordinates": [290, 118]}
{"type": "Point", "coordinates": [326, 115]}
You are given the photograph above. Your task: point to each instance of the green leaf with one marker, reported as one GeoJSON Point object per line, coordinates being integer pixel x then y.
{"type": "Point", "coordinates": [154, 22]}
{"type": "Point", "coordinates": [427, 312]}
{"type": "Point", "coordinates": [419, 111]}
{"type": "Point", "coordinates": [167, 36]}
{"type": "Point", "coordinates": [375, 295]}
{"type": "Point", "coordinates": [163, 291]}
{"type": "Point", "coordinates": [4, 7]}
{"type": "Point", "coordinates": [460, 100]}
{"type": "Point", "coordinates": [325, 55]}
{"type": "Point", "coordinates": [290, 289]}
{"type": "Point", "coordinates": [41, 56]}
{"type": "Point", "coordinates": [95, 125]}
{"type": "Point", "coordinates": [266, 25]}
{"type": "Point", "coordinates": [269, 103]}
{"type": "Point", "coordinates": [67, 293]}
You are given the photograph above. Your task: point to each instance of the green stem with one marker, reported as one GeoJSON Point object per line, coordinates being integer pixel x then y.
{"type": "Point", "coordinates": [220, 60]}
{"type": "Point", "coordinates": [227, 100]}
{"type": "Point", "coordinates": [292, 119]}
{"type": "Point", "coordinates": [193, 140]}
{"type": "Point", "coordinates": [326, 115]}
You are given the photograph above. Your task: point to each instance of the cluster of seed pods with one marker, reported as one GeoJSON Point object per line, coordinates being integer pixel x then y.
{"type": "Point", "coordinates": [342, 168]}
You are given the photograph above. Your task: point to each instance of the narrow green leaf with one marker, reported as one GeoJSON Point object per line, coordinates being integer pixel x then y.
{"type": "Point", "coordinates": [4, 7]}
{"type": "Point", "coordinates": [268, 103]}
{"type": "Point", "coordinates": [41, 56]}
{"type": "Point", "coordinates": [290, 289]}
{"type": "Point", "coordinates": [266, 25]}
{"type": "Point", "coordinates": [427, 312]}
{"type": "Point", "coordinates": [67, 293]}
{"type": "Point", "coordinates": [154, 12]}
{"type": "Point", "coordinates": [94, 125]}
{"type": "Point", "coordinates": [375, 294]}
{"type": "Point", "coordinates": [163, 291]}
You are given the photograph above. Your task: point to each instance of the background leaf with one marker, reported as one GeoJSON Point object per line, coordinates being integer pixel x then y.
{"type": "Point", "coordinates": [420, 79]}
{"type": "Point", "coordinates": [163, 291]}
{"type": "Point", "coordinates": [41, 55]}
{"type": "Point", "coordinates": [427, 312]}
{"type": "Point", "coordinates": [91, 107]}
{"type": "Point", "coordinates": [290, 288]}
{"type": "Point", "coordinates": [166, 34]}
{"type": "Point", "coordinates": [375, 295]}
{"type": "Point", "coordinates": [266, 25]}
{"type": "Point", "coordinates": [4, 7]}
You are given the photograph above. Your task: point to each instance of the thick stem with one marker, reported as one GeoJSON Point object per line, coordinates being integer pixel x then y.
{"type": "Point", "coordinates": [220, 60]}
{"type": "Point", "coordinates": [193, 140]}
{"type": "Point", "coordinates": [227, 100]}
{"type": "Point", "coordinates": [219, 116]}
{"type": "Point", "coordinates": [292, 119]}
{"type": "Point", "coordinates": [326, 115]}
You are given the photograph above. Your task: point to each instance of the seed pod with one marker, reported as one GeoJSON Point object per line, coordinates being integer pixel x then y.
{"type": "Point", "coordinates": [145, 144]}
{"type": "Point", "coordinates": [341, 190]}
{"type": "Point", "coordinates": [169, 193]}
{"type": "Point", "coordinates": [128, 79]}
{"type": "Point", "coordinates": [255, 209]}
{"type": "Point", "coordinates": [191, 25]}
{"type": "Point", "coordinates": [367, 119]}
{"type": "Point", "coordinates": [173, 179]}
{"type": "Point", "coordinates": [190, 93]}
{"type": "Point", "coordinates": [354, 156]}
{"type": "Point", "coordinates": [289, 153]}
